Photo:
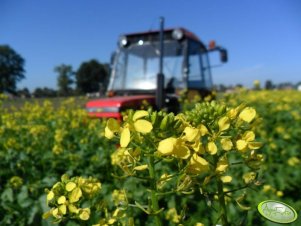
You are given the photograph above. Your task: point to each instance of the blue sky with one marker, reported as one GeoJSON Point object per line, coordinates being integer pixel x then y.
{"type": "Point", "coordinates": [263, 37]}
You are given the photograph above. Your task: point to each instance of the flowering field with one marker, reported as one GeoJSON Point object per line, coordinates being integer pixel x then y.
{"type": "Point", "coordinates": [210, 165]}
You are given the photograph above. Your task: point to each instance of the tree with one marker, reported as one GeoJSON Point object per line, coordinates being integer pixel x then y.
{"type": "Point", "coordinates": [92, 76]}
{"type": "Point", "coordinates": [269, 85]}
{"type": "Point", "coordinates": [24, 93]}
{"type": "Point", "coordinates": [44, 92]}
{"type": "Point", "coordinates": [64, 79]}
{"type": "Point", "coordinates": [11, 69]}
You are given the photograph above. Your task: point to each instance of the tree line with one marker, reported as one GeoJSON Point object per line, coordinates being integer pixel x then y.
{"type": "Point", "coordinates": [91, 77]}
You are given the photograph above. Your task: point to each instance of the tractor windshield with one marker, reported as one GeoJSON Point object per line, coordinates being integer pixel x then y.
{"type": "Point", "coordinates": [137, 66]}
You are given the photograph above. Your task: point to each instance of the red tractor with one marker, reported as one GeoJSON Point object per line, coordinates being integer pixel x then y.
{"type": "Point", "coordinates": [155, 66]}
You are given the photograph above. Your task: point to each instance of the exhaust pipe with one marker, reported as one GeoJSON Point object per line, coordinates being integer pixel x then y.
{"type": "Point", "coordinates": [160, 76]}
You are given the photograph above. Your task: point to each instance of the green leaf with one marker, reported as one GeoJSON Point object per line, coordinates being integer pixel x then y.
{"type": "Point", "coordinates": [23, 199]}
{"type": "Point", "coordinates": [32, 214]}
{"type": "Point", "coordinates": [7, 195]}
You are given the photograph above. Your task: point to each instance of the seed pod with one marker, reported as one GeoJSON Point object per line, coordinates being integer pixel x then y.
{"type": "Point", "coordinates": [171, 119]}
{"type": "Point", "coordinates": [177, 124]}
{"type": "Point", "coordinates": [164, 122]}
{"type": "Point", "coordinates": [154, 117]}
{"type": "Point", "coordinates": [221, 109]}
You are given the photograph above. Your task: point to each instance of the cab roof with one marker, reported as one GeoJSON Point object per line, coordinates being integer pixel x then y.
{"type": "Point", "coordinates": [167, 34]}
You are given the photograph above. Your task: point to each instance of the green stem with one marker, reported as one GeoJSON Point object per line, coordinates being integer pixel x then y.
{"type": "Point", "coordinates": [154, 198]}
{"type": "Point", "coordinates": [167, 193]}
{"type": "Point", "coordinates": [222, 203]}
{"type": "Point", "coordinates": [237, 189]}
{"type": "Point", "coordinates": [221, 196]}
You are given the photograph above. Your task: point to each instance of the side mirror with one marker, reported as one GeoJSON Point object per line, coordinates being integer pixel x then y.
{"type": "Point", "coordinates": [223, 55]}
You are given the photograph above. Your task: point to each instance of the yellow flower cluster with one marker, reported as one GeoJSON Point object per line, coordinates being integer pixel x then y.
{"type": "Point", "coordinates": [58, 140]}
{"type": "Point", "coordinates": [271, 190]}
{"type": "Point", "coordinates": [215, 137]}
{"type": "Point", "coordinates": [16, 182]}
{"type": "Point", "coordinates": [127, 158]}
{"type": "Point", "coordinates": [118, 214]}
{"type": "Point", "coordinates": [172, 215]}
{"type": "Point", "coordinates": [119, 197]}
{"type": "Point", "coordinates": [199, 141]}
{"type": "Point", "coordinates": [136, 124]}
{"type": "Point", "coordinates": [67, 196]}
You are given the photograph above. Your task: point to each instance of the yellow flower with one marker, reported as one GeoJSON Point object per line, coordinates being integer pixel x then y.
{"type": "Point", "coordinates": [116, 157]}
{"type": "Point", "coordinates": [111, 128]}
{"type": "Point", "coordinates": [226, 179]}
{"type": "Point", "coordinates": [125, 137]}
{"type": "Point", "coordinates": [139, 114]}
{"type": "Point", "coordinates": [166, 146]}
{"type": "Point", "coordinates": [140, 168]}
{"type": "Point", "coordinates": [226, 144]}
{"type": "Point", "coordinates": [181, 150]}
{"type": "Point", "coordinates": [249, 136]}
{"type": "Point", "coordinates": [279, 193]}
{"type": "Point", "coordinates": [75, 195]}
{"type": "Point", "coordinates": [119, 196]}
{"type": "Point", "coordinates": [247, 114]}
{"type": "Point", "coordinates": [211, 147]}
{"type": "Point", "coordinates": [198, 147]}
{"type": "Point", "coordinates": [233, 113]}
{"type": "Point", "coordinates": [59, 135]}
{"type": "Point", "coordinates": [241, 145]}
{"type": "Point", "coordinates": [111, 221]}
{"type": "Point", "coordinates": [174, 146]}
{"type": "Point", "coordinates": [199, 224]}
{"type": "Point", "coordinates": [249, 177]}
{"type": "Point", "coordinates": [61, 200]}
{"type": "Point", "coordinates": [223, 123]}
{"type": "Point", "coordinates": [222, 165]}
{"type": "Point", "coordinates": [50, 196]}
{"type": "Point", "coordinates": [267, 188]}
{"type": "Point", "coordinates": [84, 214]}
{"type": "Point", "coordinates": [172, 215]}
{"type": "Point", "coordinates": [203, 129]}
{"type": "Point", "coordinates": [119, 213]}
{"type": "Point", "coordinates": [109, 133]}
{"type": "Point", "coordinates": [57, 149]}
{"type": "Point", "coordinates": [70, 186]}
{"type": "Point", "coordinates": [16, 182]}
{"type": "Point", "coordinates": [56, 213]}
{"type": "Point", "coordinates": [197, 165]}
{"type": "Point", "coordinates": [191, 134]}
{"type": "Point", "coordinates": [73, 209]}
{"type": "Point", "coordinates": [293, 161]}
{"type": "Point", "coordinates": [62, 209]}
{"type": "Point", "coordinates": [247, 141]}
{"type": "Point", "coordinates": [141, 125]}
{"type": "Point", "coordinates": [254, 145]}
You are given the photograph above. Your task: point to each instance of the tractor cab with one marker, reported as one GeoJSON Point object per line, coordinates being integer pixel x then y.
{"type": "Point", "coordinates": [177, 55]}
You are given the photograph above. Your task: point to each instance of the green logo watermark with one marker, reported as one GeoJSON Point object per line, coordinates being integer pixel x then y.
{"type": "Point", "coordinates": [276, 211]}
